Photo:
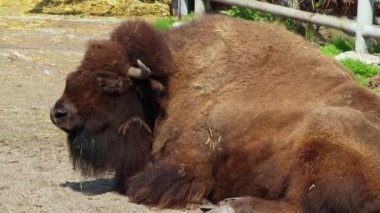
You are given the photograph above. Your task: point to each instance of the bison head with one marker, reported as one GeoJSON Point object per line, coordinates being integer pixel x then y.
{"type": "Point", "coordinates": [110, 103]}
{"type": "Point", "coordinates": [99, 101]}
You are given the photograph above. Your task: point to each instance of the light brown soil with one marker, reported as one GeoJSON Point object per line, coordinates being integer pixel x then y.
{"type": "Point", "coordinates": [36, 175]}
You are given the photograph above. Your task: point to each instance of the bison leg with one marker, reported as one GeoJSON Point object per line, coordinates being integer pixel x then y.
{"type": "Point", "coordinates": [168, 184]}
{"type": "Point", "coordinates": [331, 177]}
{"type": "Point", "coordinates": [252, 204]}
{"type": "Point", "coordinates": [133, 154]}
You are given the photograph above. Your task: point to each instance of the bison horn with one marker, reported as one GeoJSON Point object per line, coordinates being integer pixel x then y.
{"type": "Point", "coordinates": [143, 72]}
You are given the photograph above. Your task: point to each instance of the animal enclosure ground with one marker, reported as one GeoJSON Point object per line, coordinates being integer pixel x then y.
{"type": "Point", "coordinates": [36, 175]}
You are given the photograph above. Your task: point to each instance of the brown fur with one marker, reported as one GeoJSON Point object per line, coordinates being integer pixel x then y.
{"type": "Point", "coordinates": [96, 94]}
{"type": "Point", "coordinates": [141, 41]}
{"type": "Point", "coordinates": [260, 96]}
{"type": "Point", "coordinates": [253, 110]}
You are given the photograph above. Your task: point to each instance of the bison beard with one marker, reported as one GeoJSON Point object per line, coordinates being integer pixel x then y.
{"type": "Point", "coordinates": [109, 150]}
{"type": "Point", "coordinates": [236, 109]}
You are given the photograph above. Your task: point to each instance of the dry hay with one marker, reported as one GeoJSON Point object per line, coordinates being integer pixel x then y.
{"type": "Point", "coordinates": [158, 9]}
{"type": "Point", "coordinates": [16, 7]}
{"type": "Point", "coordinates": [18, 3]}
{"type": "Point", "coordinates": [103, 7]}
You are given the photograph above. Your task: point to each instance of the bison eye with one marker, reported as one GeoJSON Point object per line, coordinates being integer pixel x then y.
{"type": "Point", "coordinates": [113, 84]}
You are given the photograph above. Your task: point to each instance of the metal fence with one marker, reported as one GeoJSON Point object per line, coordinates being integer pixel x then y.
{"type": "Point", "coordinates": [363, 27]}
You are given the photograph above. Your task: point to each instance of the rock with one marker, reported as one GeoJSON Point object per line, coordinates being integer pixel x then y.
{"type": "Point", "coordinates": [47, 72]}
{"type": "Point", "coordinates": [364, 57]}
{"type": "Point", "coordinates": [178, 24]}
{"type": "Point", "coordinates": [19, 56]}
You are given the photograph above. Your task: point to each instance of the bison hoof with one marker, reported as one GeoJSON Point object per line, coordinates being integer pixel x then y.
{"type": "Point", "coordinates": [123, 129]}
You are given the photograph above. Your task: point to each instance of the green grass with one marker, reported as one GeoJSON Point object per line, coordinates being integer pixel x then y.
{"type": "Point", "coordinates": [330, 50]}
{"type": "Point", "coordinates": [341, 44]}
{"type": "Point", "coordinates": [164, 23]}
{"type": "Point", "coordinates": [375, 48]}
{"type": "Point", "coordinates": [338, 45]}
{"type": "Point", "coordinates": [344, 43]}
{"type": "Point", "coordinates": [167, 22]}
{"type": "Point", "coordinates": [250, 14]}
{"type": "Point", "coordinates": [361, 70]}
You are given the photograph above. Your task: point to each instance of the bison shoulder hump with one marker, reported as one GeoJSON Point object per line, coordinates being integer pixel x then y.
{"type": "Point", "coordinates": [140, 40]}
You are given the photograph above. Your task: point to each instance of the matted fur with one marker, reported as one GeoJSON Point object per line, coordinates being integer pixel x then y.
{"type": "Point", "coordinates": [255, 111]}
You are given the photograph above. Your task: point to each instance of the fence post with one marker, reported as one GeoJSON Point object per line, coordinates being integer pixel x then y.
{"type": "Point", "coordinates": [200, 7]}
{"type": "Point", "coordinates": [183, 8]}
{"type": "Point", "coordinates": [364, 17]}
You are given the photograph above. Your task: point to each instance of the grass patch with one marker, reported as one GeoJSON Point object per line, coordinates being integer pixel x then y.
{"type": "Point", "coordinates": [361, 70]}
{"type": "Point", "coordinates": [344, 43]}
{"type": "Point", "coordinates": [250, 14]}
{"type": "Point", "coordinates": [167, 22]}
{"type": "Point", "coordinates": [164, 23]}
{"type": "Point", "coordinates": [375, 48]}
{"type": "Point", "coordinates": [338, 45]}
{"type": "Point", "coordinates": [330, 50]}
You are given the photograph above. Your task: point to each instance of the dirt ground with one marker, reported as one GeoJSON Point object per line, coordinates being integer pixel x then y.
{"type": "Point", "coordinates": [36, 53]}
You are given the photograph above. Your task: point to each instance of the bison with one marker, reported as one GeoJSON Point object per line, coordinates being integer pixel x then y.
{"type": "Point", "coordinates": [219, 108]}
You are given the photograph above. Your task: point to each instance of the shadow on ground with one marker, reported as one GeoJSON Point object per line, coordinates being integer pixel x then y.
{"type": "Point", "coordinates": [92, 187]}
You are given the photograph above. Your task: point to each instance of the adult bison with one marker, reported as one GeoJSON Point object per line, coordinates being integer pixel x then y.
{"type": "Point", "coordinates": [221, 108]}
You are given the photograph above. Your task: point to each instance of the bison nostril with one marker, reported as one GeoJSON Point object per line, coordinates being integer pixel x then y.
{"type": "Point", "coordinates": [59, 113]}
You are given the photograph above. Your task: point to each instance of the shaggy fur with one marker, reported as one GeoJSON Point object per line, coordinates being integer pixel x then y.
{"type": "Point", "coordinates": [252, 111]}
{"type": "Point", "coordinates": [141, 41]}
{"type": "Point", "coordinates": [103, 138]}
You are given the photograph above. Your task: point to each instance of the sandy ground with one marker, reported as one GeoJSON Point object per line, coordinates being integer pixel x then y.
{"type": "Point", "coordinates": [36, 53]}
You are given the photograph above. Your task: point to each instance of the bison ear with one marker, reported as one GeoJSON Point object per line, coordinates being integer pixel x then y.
{"type": "Point", "coordinates": [113, 84]}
